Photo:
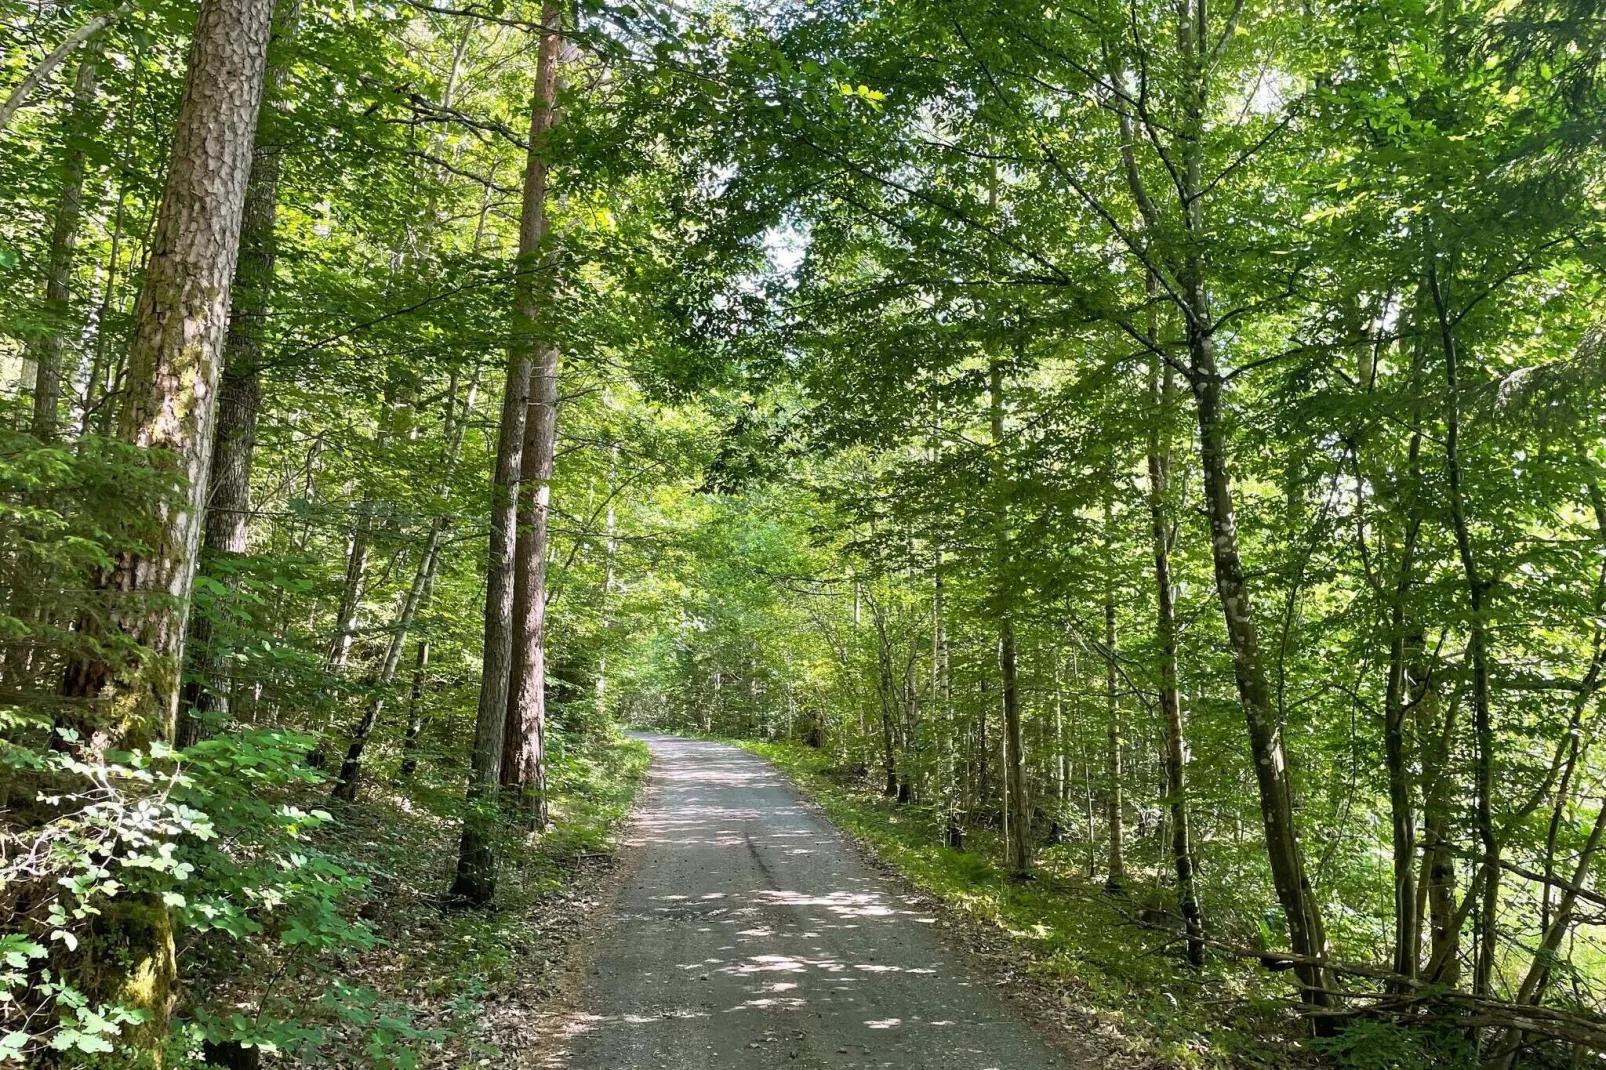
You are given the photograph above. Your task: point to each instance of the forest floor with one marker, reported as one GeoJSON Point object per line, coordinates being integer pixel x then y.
{"type": "Point", "coordinates": [1060, 946]}
{"type": "Point", "coordinates": [444, 987]}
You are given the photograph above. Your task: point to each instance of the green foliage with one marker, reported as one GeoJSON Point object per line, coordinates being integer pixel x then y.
{"type": "Point", "coordinates": [1370, 1044]}
{"type": "Point", "coordinates": [213, 832]}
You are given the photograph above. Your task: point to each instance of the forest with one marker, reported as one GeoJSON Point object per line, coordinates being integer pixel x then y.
{"type": "Point", "coordinates": [1154, 450]}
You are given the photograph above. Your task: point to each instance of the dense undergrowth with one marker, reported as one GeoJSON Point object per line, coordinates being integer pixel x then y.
{"type": "Point", "coordinates": [448, 987]}
{"type": "Point", "coordinates": [309, 932]}
{"type": "Point", "coordinates": [1095, 950]}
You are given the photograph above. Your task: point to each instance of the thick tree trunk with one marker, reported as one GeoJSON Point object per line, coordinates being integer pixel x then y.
{"type": "Point", "coordinates": [228, 507]}
{"type": "Point", "coordinates": [524, 742]}
{"type": "Point", "coordinates": [47, 348]}
{"type": "Point", "coordinates": [524, 758]}
{"type": "Point", "coordinates": [1165, 627]}
{"type": "Point", "coordinates": [174, 361]}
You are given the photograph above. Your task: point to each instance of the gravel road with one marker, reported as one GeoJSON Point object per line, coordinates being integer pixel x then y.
{"type": "Point", "coordinates": [749, 934]}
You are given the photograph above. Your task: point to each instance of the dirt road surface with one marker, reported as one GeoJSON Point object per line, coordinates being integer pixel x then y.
{"type": "Point", "coordinates": [749, 934]}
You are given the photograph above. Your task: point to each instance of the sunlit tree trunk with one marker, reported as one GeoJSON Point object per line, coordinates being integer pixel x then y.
{"type": "Point", "coordinates": [474, 882]}
{"type": "Point", "coordinates": [1302, 913]}
{"type": "Point", "coordinates": [1307, 934]}
{"type": "Point", "coordinates": [174, 362]}
{"type": "Point", "coordinates": [228, 504]}
{"type": "Point", "coordinates": [524, 759]}
{"type": "Point", "coordinates": [47, 348]}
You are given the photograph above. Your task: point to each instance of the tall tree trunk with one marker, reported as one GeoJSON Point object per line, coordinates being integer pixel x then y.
{"type": "Point", "coordinates": [884, 692]}
{"type": "Point", "coordinates": [1017, 808]}
{"type": "Point", "coordinates": [46, 349]}
{"type": "Point", "coordinates": [1114, 803]}
{"type": "Point", "coordinates": [1165, 627]}
{"type": "Point", "coordinates": [524, 759]}
{"type": "Point", "coordinates": [174, 360]}
{"type": "Point", "coordinates": [228, 505]}
{"type": "Point", "coordinates": [1438, 885]}
{"type": "Point", "coordinates": [1402, 807]}
{"type": "Point", "coordinates": [415, 709]}
{"type": "Point", "coordinates": [1478, 651]}
{"type": "Point", "coordinates": [474, 882]}
{"type": "Point", "coordinates": [1306, 932]}
{"type": "Point", "coordinates": [610, 563]}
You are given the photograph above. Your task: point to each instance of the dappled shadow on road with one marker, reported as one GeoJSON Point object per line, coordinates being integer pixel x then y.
{"type": "Point", "coordinates": [750, 932]}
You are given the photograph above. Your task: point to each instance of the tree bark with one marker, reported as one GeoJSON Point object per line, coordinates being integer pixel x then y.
{"type": "Point", "coordinates": [1017, 809]}
{"type": "Point", "coordinates": [1165, 627]}
{"type": "Point", "coordinates": [1306, 932]}
{"type": "Point", "coordinates": [228, 506]}
{"type": "Point", "coordinates": [1478, 651]}
{"type": "Point", "coordinates": [884, 692]}
{"type": "Point", "coordinates": [1438, 885]}
{"type": "Point", "coordinates": [474, 883]}
{"type": "Point", "coordinates": [524, 757]}
{"type": "Point", "coordinates": [47, 348]}
{"type": "Point", "coordinates": [1114, 803]}
{"type": "Point", "coordinates": [1402, 808]}
{"type": "Point", "coordinates": [415, 709]}
{"type": "Point", "coordinates": [174, 361]}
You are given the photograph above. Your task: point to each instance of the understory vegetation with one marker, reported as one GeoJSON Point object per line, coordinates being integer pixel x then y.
{"type": "Point", "coordinates": [1157, 445]}
{"type": "Point", "coordinates": [1106, 964]}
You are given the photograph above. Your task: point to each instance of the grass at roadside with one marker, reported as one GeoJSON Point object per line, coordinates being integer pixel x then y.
{"type": "Point", "coordinates": [1075, 939]}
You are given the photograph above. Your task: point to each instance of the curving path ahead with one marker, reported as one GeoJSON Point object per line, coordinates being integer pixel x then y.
{"type": "Point", "coordinates": [750, 935]}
